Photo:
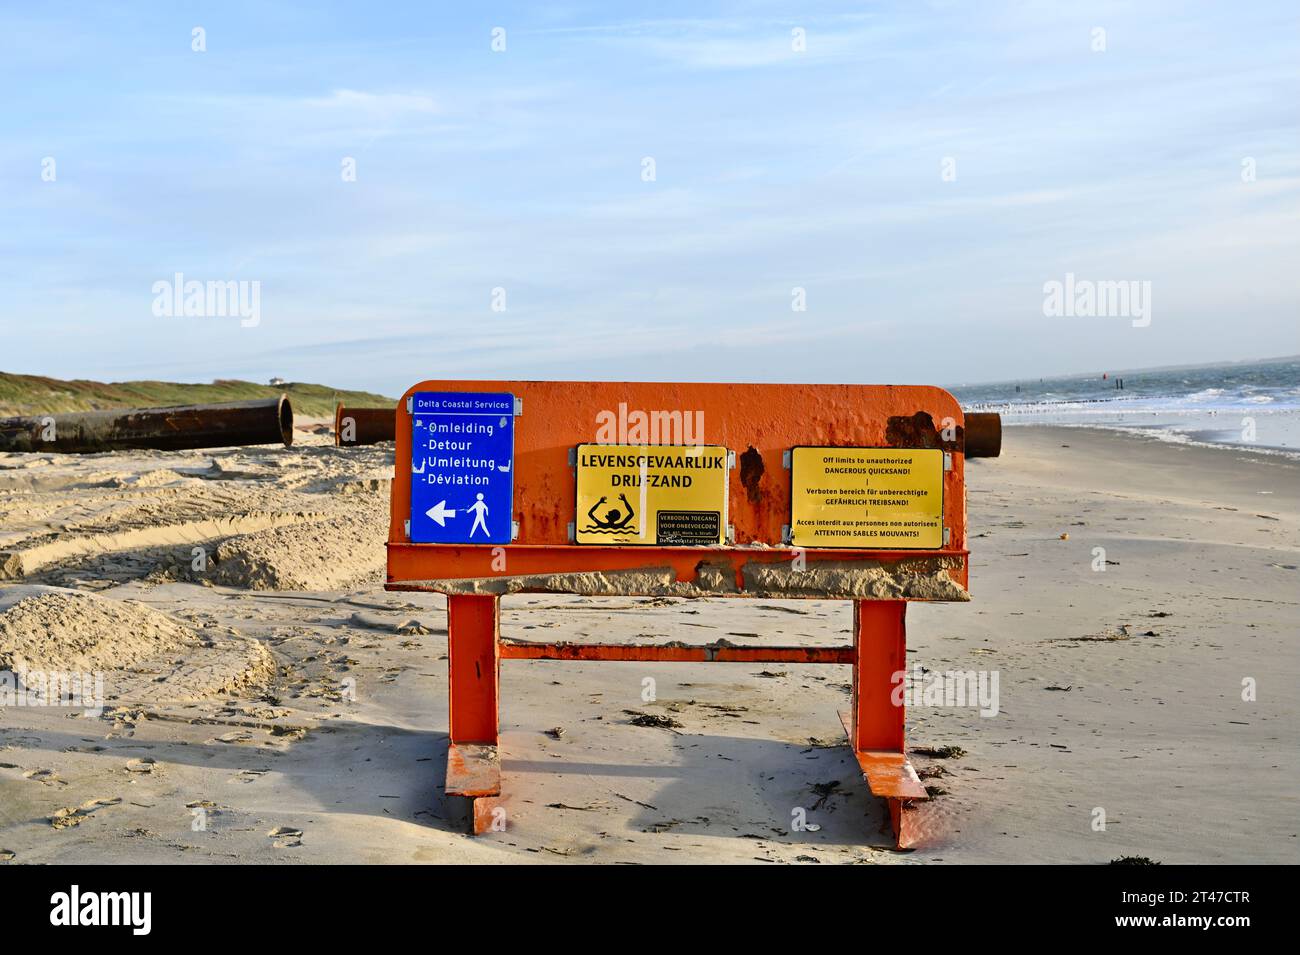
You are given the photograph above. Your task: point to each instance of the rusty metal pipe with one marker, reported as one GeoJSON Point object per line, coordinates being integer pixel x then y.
{"type": "Point", "coordinates": [177, 428]}
{"type": "Point", "coordinates": [983, 434]}
{"type": "Point", "coordinates": [353, 426]}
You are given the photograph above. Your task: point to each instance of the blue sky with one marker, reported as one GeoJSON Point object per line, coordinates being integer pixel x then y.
{"type": "Point", "coordinates": [775, 169]}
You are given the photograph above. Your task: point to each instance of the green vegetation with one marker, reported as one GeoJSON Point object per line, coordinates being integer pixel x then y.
{"type": "Point", "coordinates": [34, 394]}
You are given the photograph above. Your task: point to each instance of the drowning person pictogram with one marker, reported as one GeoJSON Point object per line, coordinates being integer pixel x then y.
{"type": "Point", "coordinates": [614, 521]}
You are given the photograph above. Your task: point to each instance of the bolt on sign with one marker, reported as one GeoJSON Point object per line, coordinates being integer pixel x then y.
{"type": "Point", "coordinates": [660, 495]}
{"type": "Point", "coordinates": [865, 498]}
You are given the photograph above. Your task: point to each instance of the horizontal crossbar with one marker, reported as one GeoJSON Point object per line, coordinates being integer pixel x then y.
{"type": "Point", "coordinates": [672, 653]}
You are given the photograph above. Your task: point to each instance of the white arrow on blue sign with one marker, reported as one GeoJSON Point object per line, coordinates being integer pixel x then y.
{"type": "Point", "coordinates": [462, 467]}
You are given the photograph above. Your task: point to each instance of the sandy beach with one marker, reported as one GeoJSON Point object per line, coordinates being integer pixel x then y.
{"type": "Point", "coordinates": [276, 705]}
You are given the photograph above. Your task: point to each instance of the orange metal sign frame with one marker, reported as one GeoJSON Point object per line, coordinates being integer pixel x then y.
{"type": "Point", "coordinates": [760, 424]}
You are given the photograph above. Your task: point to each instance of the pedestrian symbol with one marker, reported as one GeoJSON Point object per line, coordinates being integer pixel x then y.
{"type": "Point", "coordinates": [480, 511]}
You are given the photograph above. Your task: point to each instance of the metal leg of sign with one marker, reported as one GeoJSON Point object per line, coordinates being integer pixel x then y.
{"type": "Point", "coordinates": [875, 723]}
{"type": "Point", "coordinates": [473, 665]}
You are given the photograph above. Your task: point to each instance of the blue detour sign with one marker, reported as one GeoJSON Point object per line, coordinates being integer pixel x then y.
{"type": "Point", "coordinates": [462, 467]}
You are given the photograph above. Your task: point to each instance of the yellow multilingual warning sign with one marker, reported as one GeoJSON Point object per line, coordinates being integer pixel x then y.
{"type": "Point", "coordinates": [655, 495]}
{"type": "Point", "coordinates": [882, 498]}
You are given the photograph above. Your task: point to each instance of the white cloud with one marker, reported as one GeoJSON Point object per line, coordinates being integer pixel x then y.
{"type": "Point", "coordinates": [373, 104]}
{"type": "Point", "coordinates": [728, 44]}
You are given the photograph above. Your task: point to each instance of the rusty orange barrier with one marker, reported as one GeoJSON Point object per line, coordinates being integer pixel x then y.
{"type": "Point", "coordinates": [848, 492]}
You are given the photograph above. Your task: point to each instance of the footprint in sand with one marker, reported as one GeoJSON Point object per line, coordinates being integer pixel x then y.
{"type": "Point", "coordinates": [205, 809]}
{"type": "Point", "coordinates": [235, 737]}
{"type": "Point", "coordinates": [68, 817]}
{"type": "Point", "coordinates": [285, 837]}
{"type": "Point", "coordinates": [47, 777]}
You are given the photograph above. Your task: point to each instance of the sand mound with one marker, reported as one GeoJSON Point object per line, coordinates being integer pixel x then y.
{"type": "Point", "coordinates": [159, 478]}
{"type": "Point", "coordinates": [323, 555]}
{"type": "Point", "coordinates": [144, 655]}
{"type": "Point", "coordinates": [68, 631]}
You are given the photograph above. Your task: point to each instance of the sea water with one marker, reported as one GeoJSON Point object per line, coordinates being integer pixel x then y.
{"type": "Point", "coordinates": [1251, 405]}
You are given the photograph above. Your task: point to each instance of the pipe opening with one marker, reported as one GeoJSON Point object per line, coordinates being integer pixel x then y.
{"type": "Point", "coordinates": [286, 420]}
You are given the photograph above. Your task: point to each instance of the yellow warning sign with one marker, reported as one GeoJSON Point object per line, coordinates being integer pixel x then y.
{"type": "Point", "coordinates": [886, 498]}
{"type": "Point", "coordinates": [654, 495]}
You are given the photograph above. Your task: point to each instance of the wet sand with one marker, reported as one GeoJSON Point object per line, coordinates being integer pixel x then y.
{"type": "Point", "coordinates": [1119, 689]}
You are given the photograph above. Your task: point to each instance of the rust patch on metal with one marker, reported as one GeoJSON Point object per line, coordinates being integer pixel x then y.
{"type": "Point", "coordinates": [913, 578]}
{"type": "Point", "coordinates": [473, 769]}
{"type": "Point", "coordinates": [920, 431]}
{"type": "Point", "coordinates": [365, 425]}
{"type": "Point", "coordinates": [751, 472]}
